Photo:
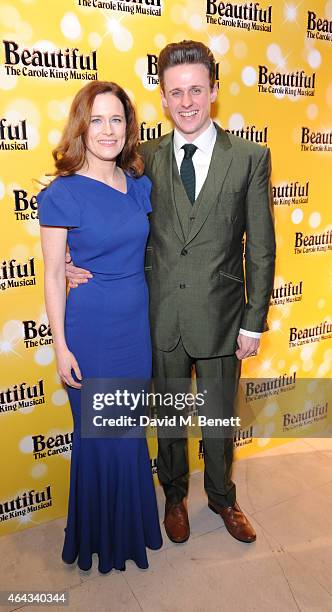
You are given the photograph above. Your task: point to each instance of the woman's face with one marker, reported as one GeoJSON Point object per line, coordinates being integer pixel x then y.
{"type": "Point", "coordinates": [106, 134]}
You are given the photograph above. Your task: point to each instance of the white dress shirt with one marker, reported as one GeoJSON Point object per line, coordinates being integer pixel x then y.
{"type": "Point", "coordinates": [201, 161]}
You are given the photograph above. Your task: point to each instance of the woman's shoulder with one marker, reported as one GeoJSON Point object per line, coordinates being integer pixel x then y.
{"type": "Point", "coordinates": [144, 183]}
{"type": "Point", "coordinates": [143, 191]}
{"type": "Point", "coordinates": [60, 186]}
{"type": "Point", "coordinates": [64, 183]}
{"type": "Point", "coordinates": [54, 185]}
{"type": "Point", "coordinates": [57, 204]}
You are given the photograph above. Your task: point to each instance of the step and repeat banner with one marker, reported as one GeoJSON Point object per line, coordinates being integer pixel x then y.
{"type": "Point", "coordinates": [275, 88]}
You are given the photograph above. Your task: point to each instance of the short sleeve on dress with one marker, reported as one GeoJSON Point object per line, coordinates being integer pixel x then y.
{"type": "Point", "coordinates": [57, 206]}
{"type": "Point", "coordinates": [145, 186]}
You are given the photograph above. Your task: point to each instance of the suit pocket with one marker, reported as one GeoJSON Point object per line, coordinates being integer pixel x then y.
{"type": "Point", "coordinates": [231, 277]}
{"type": "Point", "coordinates": [231, 203]}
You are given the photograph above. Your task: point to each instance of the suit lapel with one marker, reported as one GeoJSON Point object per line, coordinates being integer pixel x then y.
{"type": "Point", "coordinates": [164, 171]}
{"type": "Point", "coordinates": [220, 162]}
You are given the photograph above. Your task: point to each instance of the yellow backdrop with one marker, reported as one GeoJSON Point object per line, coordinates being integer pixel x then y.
{"type": "Point", "coordinates": [274, 75]}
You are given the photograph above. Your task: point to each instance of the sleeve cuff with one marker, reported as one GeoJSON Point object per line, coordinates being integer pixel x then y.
{"type": "Point", "coordinates": [251, 334]}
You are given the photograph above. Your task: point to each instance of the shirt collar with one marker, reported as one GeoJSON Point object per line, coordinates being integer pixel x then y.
{"type": "Point", "coordinates": [203, 142]}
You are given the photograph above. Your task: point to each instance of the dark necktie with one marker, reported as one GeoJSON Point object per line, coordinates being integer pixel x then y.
{"type": "Point", "coordinates": [187, 171]}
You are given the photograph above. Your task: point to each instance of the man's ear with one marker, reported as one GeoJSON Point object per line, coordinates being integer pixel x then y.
{"type": "Point", "coordinates": [214, 93]}
{"type": "Point", "coordinates": [163, 99]}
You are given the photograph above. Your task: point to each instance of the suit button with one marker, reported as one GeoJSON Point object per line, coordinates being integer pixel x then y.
{"type": "Point", "coordinates": [184, 252]}
{"type": "Point", "coordinates": [182, 286]}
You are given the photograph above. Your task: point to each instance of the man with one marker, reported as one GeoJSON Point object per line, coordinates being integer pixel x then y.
{"type": "Point", "coordinates": [209, 188]}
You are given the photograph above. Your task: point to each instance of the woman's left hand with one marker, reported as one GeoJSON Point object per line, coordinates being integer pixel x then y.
{"type": "Point", "coordinates": [66, 363]}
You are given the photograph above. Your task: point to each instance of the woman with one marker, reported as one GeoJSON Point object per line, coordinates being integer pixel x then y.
{"type": "Point", "coordinates": [99, 202]}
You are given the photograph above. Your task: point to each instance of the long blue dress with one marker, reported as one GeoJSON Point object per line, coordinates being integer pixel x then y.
{"type": "Point", "coordinates": [112, 506]}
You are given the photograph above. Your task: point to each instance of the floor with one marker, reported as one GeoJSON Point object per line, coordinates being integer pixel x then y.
{"type": "Point", "coordinates": [286, 492]}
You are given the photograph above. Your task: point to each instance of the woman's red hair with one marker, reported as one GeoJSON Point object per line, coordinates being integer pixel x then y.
{"type": "Point", "coordinates": [69, 155]}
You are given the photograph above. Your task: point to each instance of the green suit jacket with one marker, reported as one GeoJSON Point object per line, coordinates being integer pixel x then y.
{"type": "Point", "coordinates": [197, 284]}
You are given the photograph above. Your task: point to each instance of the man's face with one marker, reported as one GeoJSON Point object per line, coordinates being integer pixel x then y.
{"type": "Point", "coordinates": [187, 95]}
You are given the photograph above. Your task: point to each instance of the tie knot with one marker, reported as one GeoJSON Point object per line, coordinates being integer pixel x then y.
{"type": "Point", "coordinates": [189, 150]}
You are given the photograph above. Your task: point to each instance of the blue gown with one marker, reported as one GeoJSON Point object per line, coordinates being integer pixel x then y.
{"type": "Point", "coordinates": [112, 506]}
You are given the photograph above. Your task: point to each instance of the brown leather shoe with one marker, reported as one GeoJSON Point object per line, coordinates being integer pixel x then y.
{"type": "Point", "coordinates": [176, 522]}
{"type": "Point", "coordinates": [235, 521]}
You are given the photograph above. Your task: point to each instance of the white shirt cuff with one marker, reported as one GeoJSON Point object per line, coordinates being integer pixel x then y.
{"type": "Point", "coordinates": [251, 334]}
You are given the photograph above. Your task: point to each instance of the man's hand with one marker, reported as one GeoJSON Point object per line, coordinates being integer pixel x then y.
{"type": "Point", "coordinates": [75, 276]}
{"type": "Point", "coordinates": [248, 346]}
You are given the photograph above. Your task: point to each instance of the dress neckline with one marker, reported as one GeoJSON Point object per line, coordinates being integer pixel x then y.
{"type": "Point", "coordinates": [106, 184]}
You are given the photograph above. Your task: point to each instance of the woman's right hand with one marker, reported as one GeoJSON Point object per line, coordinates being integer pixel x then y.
{"type": "Point", "coordinates": [66, 363]}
